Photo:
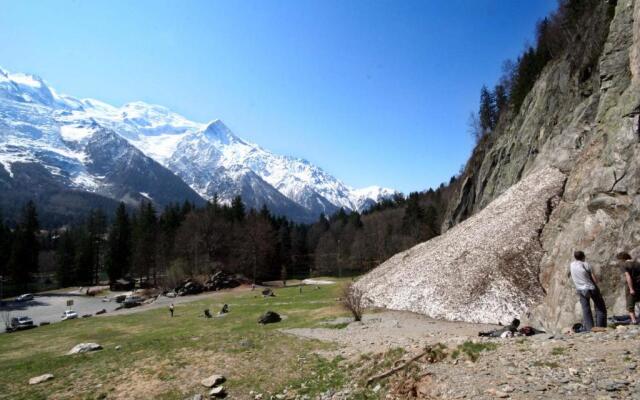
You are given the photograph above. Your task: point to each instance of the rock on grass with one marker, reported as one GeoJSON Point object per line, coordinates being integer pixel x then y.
{"type": "Point", "coordinates": [39, 379]}
{"type": "Point", "coordinates": [217, 392]}
{"type": "Point", "coordinates": [213, 380]}
{"type": "Point", "coordinates": [84, 348]}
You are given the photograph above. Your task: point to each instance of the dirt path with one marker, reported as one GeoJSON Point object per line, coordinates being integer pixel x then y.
{"type": "Point", "coordinates": [388, 329]}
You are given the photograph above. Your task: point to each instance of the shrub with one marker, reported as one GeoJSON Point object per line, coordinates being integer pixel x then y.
{"type": "Point", "coordinates": [352, 300]}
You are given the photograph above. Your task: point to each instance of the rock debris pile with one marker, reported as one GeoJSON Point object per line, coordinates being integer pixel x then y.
{"type": "Point", "coordinates": [484, 269]}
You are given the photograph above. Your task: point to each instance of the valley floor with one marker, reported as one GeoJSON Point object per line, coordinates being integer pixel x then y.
{"type": "Point", "coordinates": [314, 353]}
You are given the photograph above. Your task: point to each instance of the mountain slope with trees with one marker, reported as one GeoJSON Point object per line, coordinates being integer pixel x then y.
{"type": "Point", "coordinates": [572, 103]}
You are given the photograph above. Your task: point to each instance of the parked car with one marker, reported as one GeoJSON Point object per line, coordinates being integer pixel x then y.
{"type": "Point", "coordinates": [69, 314]}
{"type": "Point", "coordinates": [20, 323]}
{"type": "Point", "coordinates": [132, 301]}
{"type": "Point", "coordinates": [25, 297]}
{"type": "Point", "coordinates": [120, 298]}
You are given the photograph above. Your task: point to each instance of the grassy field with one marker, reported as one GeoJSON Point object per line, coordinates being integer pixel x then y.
{"type": "Point", "coordinates": [165, 358]}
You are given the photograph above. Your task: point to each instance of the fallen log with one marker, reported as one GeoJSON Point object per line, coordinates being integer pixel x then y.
{"type": "Point", "coordinates": [397, 369]}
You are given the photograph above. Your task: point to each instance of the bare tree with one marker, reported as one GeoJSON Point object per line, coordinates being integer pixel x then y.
{"type": "Point", "coordinates": [352, 300]}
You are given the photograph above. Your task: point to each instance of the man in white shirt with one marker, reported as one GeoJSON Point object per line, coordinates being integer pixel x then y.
{"type": "Point", "coordinates": [587, 287]}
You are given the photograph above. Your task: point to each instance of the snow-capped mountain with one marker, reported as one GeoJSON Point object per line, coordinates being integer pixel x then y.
{"type": "Point", "coordinates": [70, 168]}
{"type": "Point", "coordinates": [85, 144]}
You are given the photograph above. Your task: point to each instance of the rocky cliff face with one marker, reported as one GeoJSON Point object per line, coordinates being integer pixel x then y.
{"type": "Point", "coordinates": [582, 118]}
{"type": "Point", "coordinates": [588, 128]}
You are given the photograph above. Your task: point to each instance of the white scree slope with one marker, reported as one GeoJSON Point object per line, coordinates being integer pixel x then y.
{"type": "Point", "coordinates": [483, 270]}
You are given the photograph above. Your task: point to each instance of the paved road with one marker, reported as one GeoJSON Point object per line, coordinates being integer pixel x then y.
{"type": "Point", "coordinates": [49, 307]}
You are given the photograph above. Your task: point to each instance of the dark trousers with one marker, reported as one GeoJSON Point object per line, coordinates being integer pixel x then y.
{"type": "Point", "coordinates": [598, 303]}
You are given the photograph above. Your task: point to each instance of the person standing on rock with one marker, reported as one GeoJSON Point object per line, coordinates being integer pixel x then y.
{"type": "Point", "coordinates": [587, 287]}
{"type": "Point", "coordinates": [631, 270]}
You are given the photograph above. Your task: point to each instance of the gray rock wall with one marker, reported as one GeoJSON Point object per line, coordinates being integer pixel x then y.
{"type": "Point", "coordinates": [589, 130]}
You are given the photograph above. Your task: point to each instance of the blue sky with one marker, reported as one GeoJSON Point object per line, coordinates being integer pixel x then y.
{"type": "Point", "coordinates": [375, 92]}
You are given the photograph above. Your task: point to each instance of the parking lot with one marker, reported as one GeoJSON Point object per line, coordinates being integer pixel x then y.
{"type": "Point", "coordinates": [49, 307]}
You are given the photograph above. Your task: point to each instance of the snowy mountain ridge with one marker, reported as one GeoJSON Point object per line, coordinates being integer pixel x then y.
{"type": "Point", "coordinates": [39, 125]}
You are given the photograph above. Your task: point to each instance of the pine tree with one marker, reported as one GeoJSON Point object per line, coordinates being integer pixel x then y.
{"type": "Point", "coordinates": [413, 221]}
{"type": "Point", "coordinates": [355, 220]}
{"type": "Point", "coordinates": [66, 260]}
{"type": "Point", "coordinates": [97, 227]}
{"type": "Point", "coordinates": [264, 212]}
{"type": "Point", "coordinates": [23, 261]}
{"type": "Point", "coordinates": [118, 259]}
{"type": "Point", "coordinates": [258, 247]}
{"type": "Point", "coordinates": [501, 100]}
{"type": "Point", "coordinates": [299, 257]}
{"type": "Point", "coordinates": [284, 246]}
{"type": "Point", "coordinates": [431, 220]}
{"type": "Point", "coordinates": [487, 113]}
{"type": "Point", "coordinates": [145, 235]}
{"type": "Point", "coordinates": [5, 247]}
{"type": "Point", "coordinates": [341, 216]}
{"type": "Point", "coordinates": [188, 207]}
{"type": "Point", "coordinates": [85, 256]}
{"type": "Point", "coordinates": [237, 209]}
{"type": "Point", "coordinates": [169, 223]}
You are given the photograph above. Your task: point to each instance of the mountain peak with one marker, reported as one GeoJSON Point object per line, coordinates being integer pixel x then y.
{"type": "Point", "coordinates": [31, 80]}
{"type": "Point", "coordinates": [218, 131]}
{"type": "Point", "coordinates": [145, 107]}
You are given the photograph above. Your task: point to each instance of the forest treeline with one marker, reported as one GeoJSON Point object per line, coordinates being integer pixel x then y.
{"type": "Point", "coordinates": [166, 246]}
{"type": "Point", "coordinates": [577, 30]}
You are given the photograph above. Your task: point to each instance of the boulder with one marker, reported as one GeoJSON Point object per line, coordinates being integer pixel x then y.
{"type": "Point", "coordinates": [484, 269]}
{"type": "Point", "coordinates": [84, 348]}
{"type": "Point", "coordinates": [223, 280]}
{"type": "Point", "coordinates": [39, 379]}
{"type": "Point", "coordinates": [269, 317]}
{"type": "Point", "coordinates": [213, 380]}
{"type": "Point", "coordinates": [189, 287]}
{"type": "Point", "coordinates": [217, 392]}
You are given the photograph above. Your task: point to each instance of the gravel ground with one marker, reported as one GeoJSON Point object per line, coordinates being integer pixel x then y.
{"type": "Point", "coordinates": [597, 365]}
